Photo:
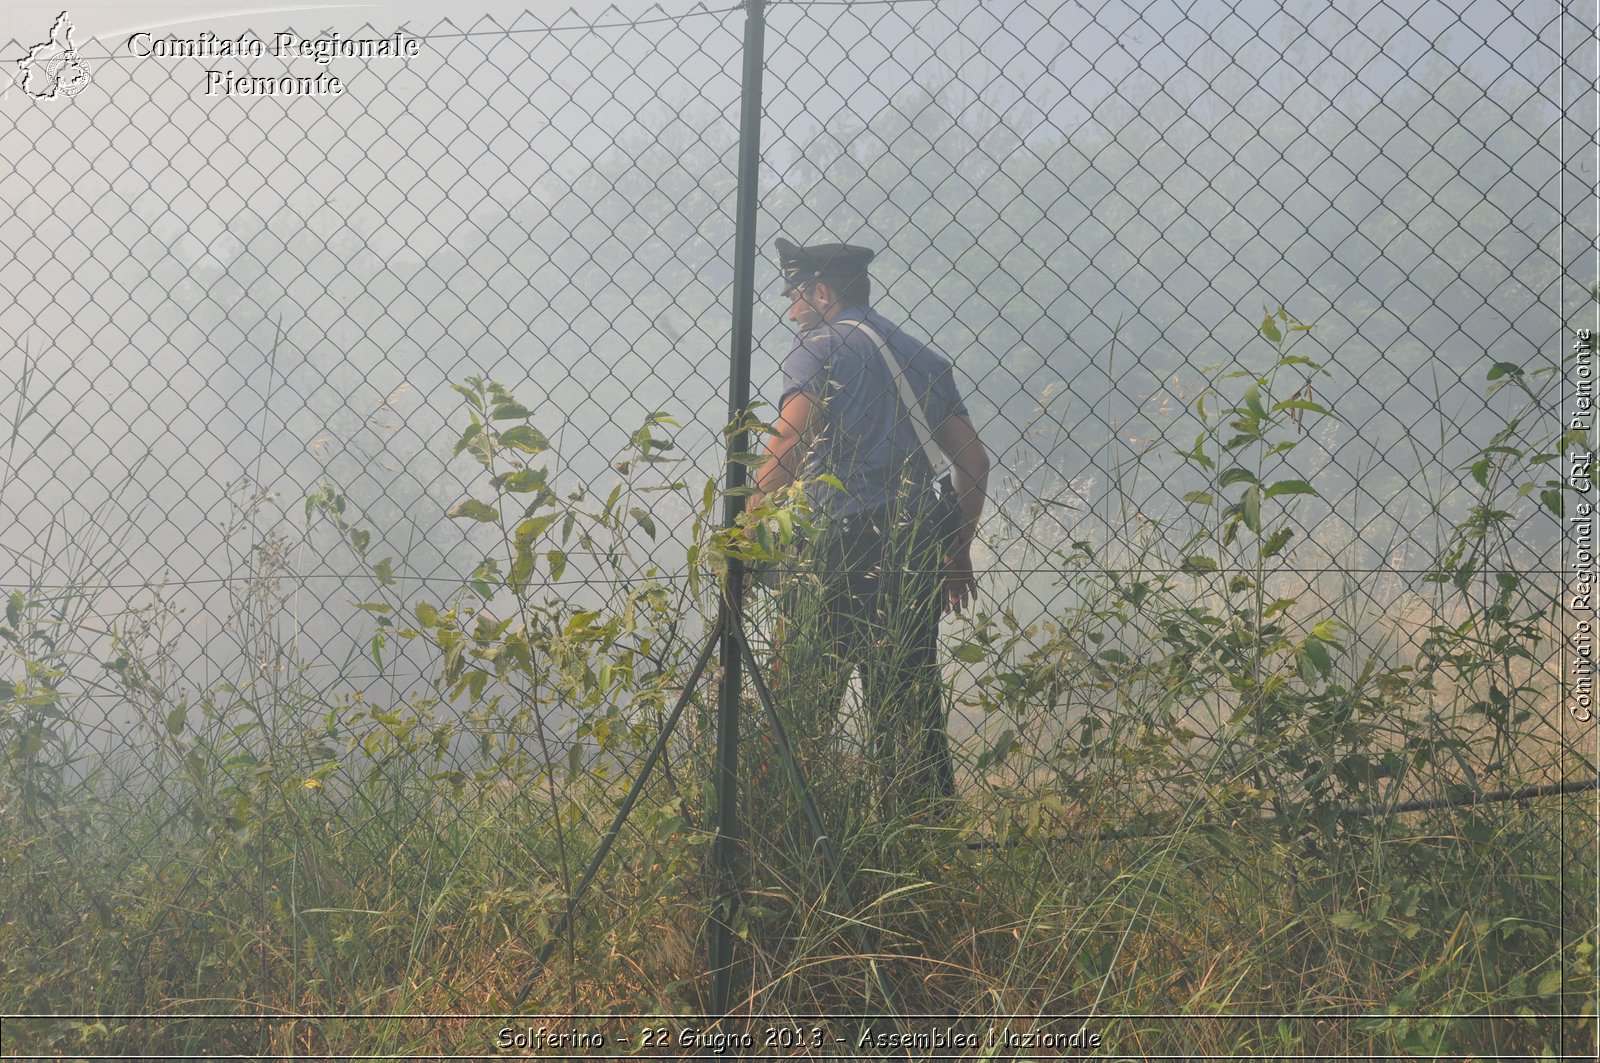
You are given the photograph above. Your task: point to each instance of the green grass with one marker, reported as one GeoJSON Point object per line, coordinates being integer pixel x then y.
{"type": "Point", "coordinates": [439, 908]}
{"type": "Point", "coordinates": [296, 869]}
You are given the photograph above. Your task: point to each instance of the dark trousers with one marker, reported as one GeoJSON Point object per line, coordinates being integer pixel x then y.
{"type": "Point", "coordinates": [865, 595]}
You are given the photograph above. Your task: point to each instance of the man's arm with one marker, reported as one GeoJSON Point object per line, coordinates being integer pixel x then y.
{"type": "Point", "coordinates": [960, 442]}
{"type": "Point", "coordinates": [786, 449]}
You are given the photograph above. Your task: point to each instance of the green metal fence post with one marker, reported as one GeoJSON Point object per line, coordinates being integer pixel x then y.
{"type": "Point", "coordinates": [732, 609]}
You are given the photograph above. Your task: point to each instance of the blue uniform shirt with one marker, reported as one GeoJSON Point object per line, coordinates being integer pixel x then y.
{"type": "Point", "coordinates": [867, 438]}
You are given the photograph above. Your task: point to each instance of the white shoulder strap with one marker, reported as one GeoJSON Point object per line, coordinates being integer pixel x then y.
{"type": "Point", "coordinates": [919, 419]}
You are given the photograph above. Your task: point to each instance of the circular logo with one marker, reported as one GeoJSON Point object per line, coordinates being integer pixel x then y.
{"type": "Point", "coordinates": [67, 73]}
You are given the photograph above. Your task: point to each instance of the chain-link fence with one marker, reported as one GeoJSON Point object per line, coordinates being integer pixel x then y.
{"type": "Point", "coordinates": [306, 636]}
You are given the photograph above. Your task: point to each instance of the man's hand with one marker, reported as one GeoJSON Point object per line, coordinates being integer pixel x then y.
{"type": "Point", "coordinates": [959, 582]}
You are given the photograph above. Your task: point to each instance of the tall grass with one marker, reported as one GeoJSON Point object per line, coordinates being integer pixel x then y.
{"type": "Point", "coordinates": [1171, 826]}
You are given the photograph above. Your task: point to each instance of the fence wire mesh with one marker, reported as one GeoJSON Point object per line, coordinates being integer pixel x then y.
{"type": "Point", "coordinates": [220, 312]}
{"type": "Point", "coordinates": [1092, 211]}
{"type": "Point", "coordinates": [262, 620]}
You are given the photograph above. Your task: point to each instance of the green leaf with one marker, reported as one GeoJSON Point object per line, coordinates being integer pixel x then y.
{"type": "Point", "coordinates": [1004, 746]}
{"type": "Point", "coordinates": [1327, 631]}
{"type": "Point", "coordinates": [558, 563]}
{"type": "Point", "coordinates": [1199, 498]}
{"type": "Point", "coordinates": [1505, 433]}
{"type": "Point", "coordinates": [384, 570]}
{"type": "Point", "coordinates": [521, 568]}
{"type": "Point", "coordinates": [382, 608]}
{"type": "Point", "coordinates": [996, 753]}
{"type": "Point", "coordinates": [426, 614]}
{"type": "Point", "coordinates": [1269, 329]}
{"type": "Point", "coordinates": [1250, 508]}
{"type": "Point", "coordinates": [1290, 487]}
{"type": "Point", "coordinates": [646, 442]}
{"type": "Point", "coordinates": [1301, 404]}
{"type": "Point", "coordinates": [1500, 369]}
{"type": "Point", "coordinates": [1549, 983]}
{"type": "Point", "coordinates": [472, 509]}
{"type": "Point", "coordinates": [1278, 605]}
{"type": "Point", "coordinates": [611, 501]}
{"type": "Point", "coordinates": [1276, 542]}
{"type": "Point", "coordinates": [642, 516]}
{"type": "Point", "coordinates": [523, 480]}
{"type": "Point", "coordinates": [1480, 472]}
{"type": "Point", "coordinates": [1196, 563]}
{"type": "Point", "coordinates": [14, 606]}
{"type": "Point", "coordinates": [1235, 475]}
{"type": "Point", "coordinates": [176, 720]}
{"type": "Point", "coordinates": [1553, 502]}
{"type": "Point", "coordinates": [467, 437]}
{"type": "Point", "coordinates": [1252, 402]}
{"type": "Point", "coordinates": [525, 438]}
{"type": "Point", "coordinates": [1317, 652]}
{"type": "Point", "coordinates": [533, 527]}
{"type": "Point", "coordinates": [507, 411]}
{"type": "Point", "coordinates": [969, 653]}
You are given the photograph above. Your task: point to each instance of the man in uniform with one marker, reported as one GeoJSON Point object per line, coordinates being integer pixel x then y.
{"type": "Point", "coordinates": [889, 557]}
